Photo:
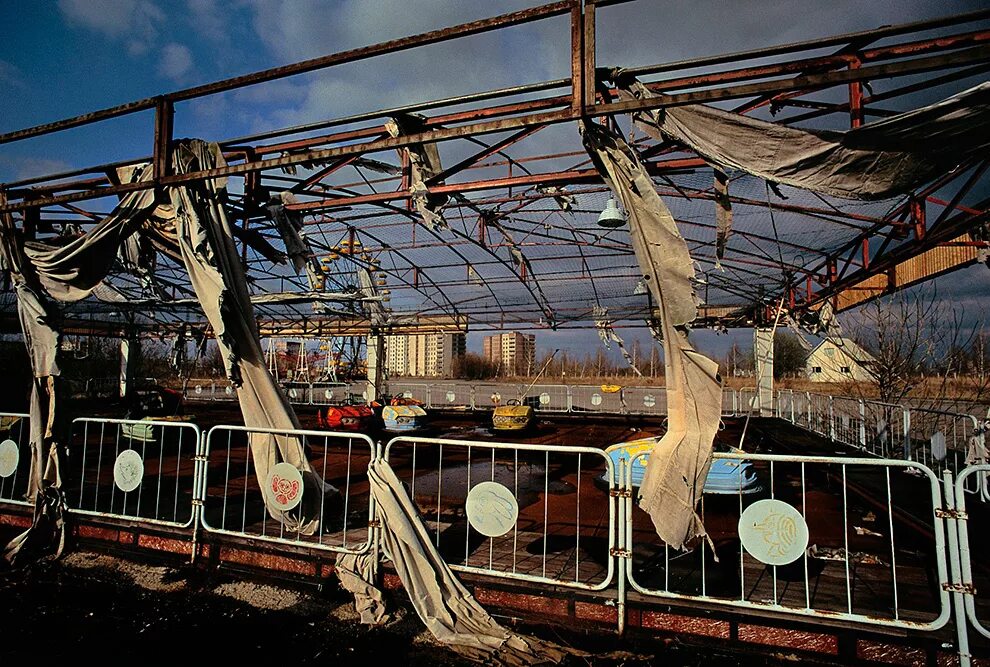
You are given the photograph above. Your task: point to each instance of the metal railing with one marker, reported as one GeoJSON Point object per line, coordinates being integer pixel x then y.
{"type": "Point", "coordinates": [234, 503]}
{"type": "Point", "coordinates": [565, 530]}
{"type": "Point", "coordinates": [141, 470]}
{"type": "Point", "coordinates": [853, 569]}
{"type": "Point", "coordinates": [15, 457]}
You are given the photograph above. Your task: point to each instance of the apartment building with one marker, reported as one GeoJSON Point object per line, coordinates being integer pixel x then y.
{"type": "Point", "coordinates": [513, 353]}
{"type": "Point", "coordinates": [423, 355]}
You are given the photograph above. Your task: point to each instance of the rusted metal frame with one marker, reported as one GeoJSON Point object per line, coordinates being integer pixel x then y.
{"type": "Point", "coordinates": [497, 147]}
{"type": "Point", "coordinates": [577, 60]}
{"type": "Point", "coordinates": [895, 92]}
{"type": "Point", "coordinates": [313, 179]}
{"type": "Point", "coordinates": [887, 262]}
{"type": "Point", "coordinates": [826, 108]}
{"type": "Point", "coordinates": [958, 207]}
{"type": "Point", "coordinates": [161, 160]}
{"type": "Point", "coordinates": [836, 40]}
{"type": "Point", "coordinates": [852, 57]}
{"type": "Point", "coordinates": [835, 78]}
{"type": "Point", "coordinates": [905, 209]}
{"type": "Point", "coordinates": [353, 55]}
{"type": "Point", "coordinates": [855, 98]}
{"type": "Point", "coordinates": [589, 58]}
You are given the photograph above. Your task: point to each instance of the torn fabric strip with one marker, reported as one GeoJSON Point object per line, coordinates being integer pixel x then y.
{"type": "Point", "coordinates": [40, 328]}
{"type": "Point", "coordinates": [215, 272]}
{"type": "Point", "coordinates": [723, 214]}
{"type": "Point", "coordinates": [424, 164]}
{"type": "Point", "coordinates": [608, 336]}
{"type": "Point", "coordinates": [290, 227]}
{"type": "Point", "coordinates": [679, 462]}
{"type": "Point", "coordinates": [446, 607]}
{"type": "Point", "coordinates": [878, 160]}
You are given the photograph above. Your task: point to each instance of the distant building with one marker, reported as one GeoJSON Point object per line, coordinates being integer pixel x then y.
{"type": "Point", "coordinates": [512, 353]}
{"type": "Point", "coordinates": [423, 355]}
{"type": "Point", "coordinates": [838, 360]}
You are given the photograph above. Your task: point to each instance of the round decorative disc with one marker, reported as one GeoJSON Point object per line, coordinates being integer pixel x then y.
{"type": "Point", "coordinates": [649, 400]}
{"type": "Point", "coordinates": [450, 396]}
{"type": "Point", "coordinates": [9, 455]}
{"type": "Point", "coordinates": [544, 398]}
{"type": "Point", "coordinates": [596, 399]}
{"type": "Point", "coordinates": [491, 509]}
{"type": "Point", "coordinates": [773, 532]}
{"type": "Point", "coordinates": [128, 470]}
{"type": "Point", "coordinates": [284, 488]}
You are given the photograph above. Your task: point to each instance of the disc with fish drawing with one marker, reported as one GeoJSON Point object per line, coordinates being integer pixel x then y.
{"type": "Point", "coordinates": [8, 458]}
{"type": "Point", "coordinates": [773, 532]}
{"type": "Point", "coordinates": [285, 486]}
{"type": "Point", "coordinates": [491, 509]}
{"type": "Point", "coordinates": [128, 470]}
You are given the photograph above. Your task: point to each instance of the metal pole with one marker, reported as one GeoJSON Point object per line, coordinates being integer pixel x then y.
{"type": "Point", "coordinates": [956, 584]}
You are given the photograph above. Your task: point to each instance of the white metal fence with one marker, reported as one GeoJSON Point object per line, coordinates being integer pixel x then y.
{"type": "Point", "coordinates": [891, 542]}
{"type": "Point", "coordinates": [141, 470]}
{"type": "Point", "coordinates": [565, 527]}
{"type": "Point", "coordinates": [234, 503]}
{"type": "Point", "coordinates": [15, 457]}
{"type": "Point", "coordinates": [868, 560]}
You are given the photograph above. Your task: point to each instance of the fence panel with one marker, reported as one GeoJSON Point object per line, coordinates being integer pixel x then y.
{"type": "Point", "coordinates": [297, 392]}
{"type": "Point", "coordinates": [414, 390]}
{"type": "Point", "coordinates": [450, 395]}
{"type": "Point", "coordinates": [645, 400]}
{"type": "Point", "coordinates": [328, 393]}
{"type": "Point", "coordinates": [748, 401]}
{"type": "Point", "coordinates": [975, 575]}
{"type": "Point", "coordinates": [884, 429]}
{"type": "Point", "coordinates": [563, 529]}
{"type": "Point", "coordinates": [848, 421]}
{"type": "Point", "coordinates": [198, 389]}
{"type": "Point", "coordinates": [141, 470]}
{"type": "Point", "coordinates": [867, 558]}
{"type": "Point", "coordinates": [940, 440]}
{"type": "Point", "coordinates": [234, 504]}
{"type": "Point", "coordinates": [15, 457]}
{"type": "Point", "coordinates": [585, 398]}
{"type": "Point", "coordinates": [730, 402]}
{"type": "Point", "coordinates": [547, 397]}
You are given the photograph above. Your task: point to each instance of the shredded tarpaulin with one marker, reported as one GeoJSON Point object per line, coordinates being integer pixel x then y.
{"type": "Point", "coordinates": [217, 276]}
{"type": "Point", "coordinates": [424, 164]}
{"type": "Point", "coordinates": [446, 607]}
{"type": "Point", "coordinates": [40, 327]}
{"type": "Point", "coordinates": [723, 215]}
{"type": "Point", "coordinates": [679, 463]}
{"type": "Point", "coordinates": [290, 227]}
{"type": "Point", "coordinates": [878, 160]}
{"type": "Point", "coordinates": [564, 199]}
{"type": "Point", "coordinates": [608, 336]}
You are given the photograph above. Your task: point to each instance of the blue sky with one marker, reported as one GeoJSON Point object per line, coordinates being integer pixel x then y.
{"type": "Point", "coordinates": [68, 57]}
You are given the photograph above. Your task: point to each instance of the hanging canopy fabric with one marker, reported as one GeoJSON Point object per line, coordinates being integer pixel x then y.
{"type": "Point", "coordinates": [875, 161]}
{"type": "Point", "coordinates": [210, 256]}
{"type": "Point", "coordinates": [449, 611]}
{"type": "Point", "coordinates": [424, 164]}
{"type": "Point", "coordinates": [679, 462]}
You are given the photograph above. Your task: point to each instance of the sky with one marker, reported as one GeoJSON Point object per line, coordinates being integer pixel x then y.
{"type": "Point", "coordinates": [60, 58]}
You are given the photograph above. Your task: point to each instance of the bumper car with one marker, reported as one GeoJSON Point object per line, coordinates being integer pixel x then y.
{"type": "Point", "coordinates": [512, 417]}
{"type": "Point", "coordinates": [346, 418]}
{"type": "Point", "coordinates": [403, 415]}
{"type": "Point", "coordinates": [725, 476]}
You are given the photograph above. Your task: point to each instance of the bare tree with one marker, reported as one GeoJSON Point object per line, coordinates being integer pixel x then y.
{"type": "Point", "coordinates": [921, 346]}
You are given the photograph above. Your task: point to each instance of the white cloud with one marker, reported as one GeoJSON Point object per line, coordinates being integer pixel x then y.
{"type": "Point", "coordinates": [176, 61]}
{"type": "Point", "coordinates": [16, 168]}
{"type": "Point", "coordinates": [135, 22]}
{"type": "Point", "coordinates": [207, 18]}
{"type": "Point", "coordinates": [10, 74]}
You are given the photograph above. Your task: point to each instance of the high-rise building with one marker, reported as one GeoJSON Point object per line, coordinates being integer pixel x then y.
{"type": "Point", "coordinates": [512, 353]}
{"type": "Point", "coordinates": [423, 355]}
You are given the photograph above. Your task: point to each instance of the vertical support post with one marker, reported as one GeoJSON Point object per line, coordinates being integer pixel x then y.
{"type": "Point", "coordinates": [577, 58]}
{"type": "Point", "coordinates": [130, 349]}
{"type": "Point", "coordinates": [907, 434]}
{"type": "Point", "coordinates": [164, 115]}
{"type": "Point", "coordinates": [862, 424]}
{"type": "Point", "coordinates": [955, 584]}
{"type": "Point", "coordinates": [625, 542]}
{"type": "Point", "coordinates": [376, 366]}
{"type": "Point", "coordinates": [855, 98]}
{"type": "Point", "coordinates": [763, 354]}
{"type": "Point", "coordinates": [590, 80]}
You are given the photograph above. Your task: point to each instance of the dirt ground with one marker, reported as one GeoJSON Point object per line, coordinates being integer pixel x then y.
{"type": "Point", "coordinates": [91, 606]}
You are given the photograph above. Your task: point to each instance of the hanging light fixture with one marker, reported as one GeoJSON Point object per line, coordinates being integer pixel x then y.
{"type": "Point", "coordinates": [611, 217]}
